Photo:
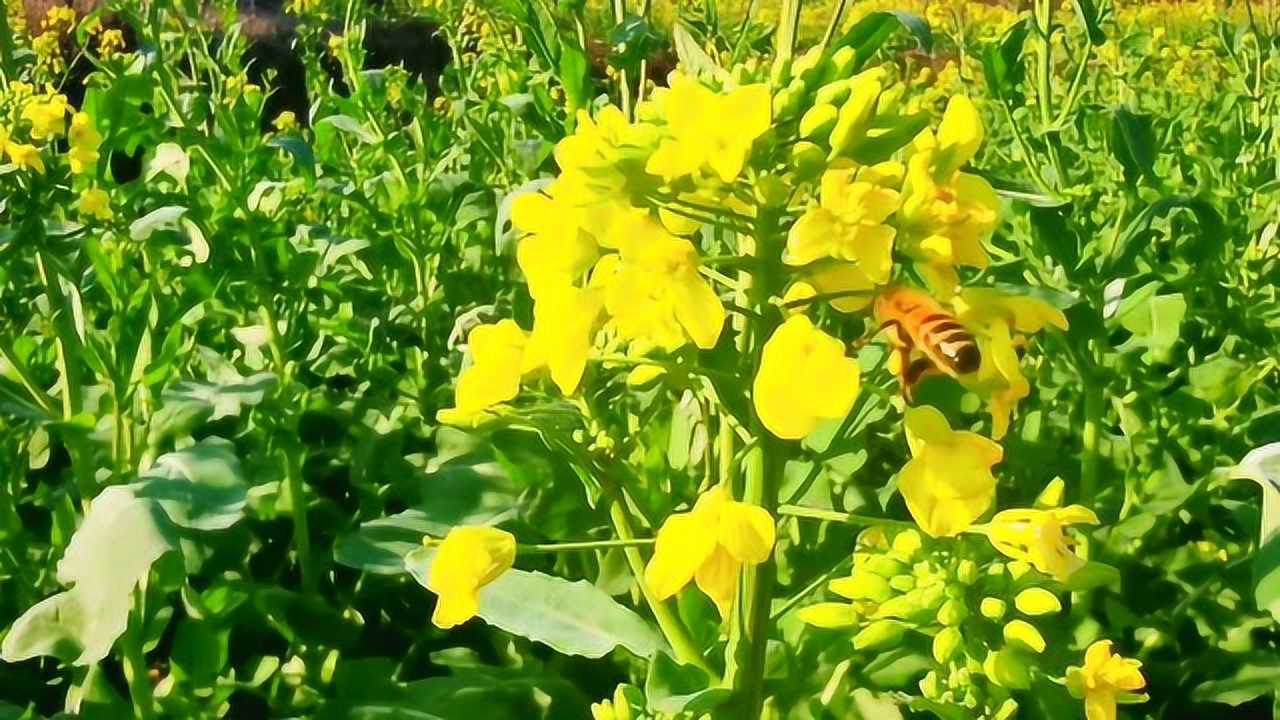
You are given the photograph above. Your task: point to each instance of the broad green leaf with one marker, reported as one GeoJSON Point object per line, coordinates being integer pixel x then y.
{"type": "Point", "coordinates": [1262, 466]}
{"type": "Point", "coordinates": [873, 30]}
{"type": "Point", "coordinates": [298, 148]}
{"type": "Point", "coordinates": [348, 125]}
{"type": "Point", "coordinates": [201, 487]}
{"type": "Point", "coordinates": [1251, 680]}
{"type": "Point", "coordinates": [162, 218]}
{"type": "Point", "coordinates": [120, 539]}
{"type": "Point", "coordinates": [169, 159]}
{"type": "Point", "coordinates": [674, 688]}
{"type": "Point", "coordinates": [380, 546]}
{"type": "Point", "coordinates": [1002, 64]}
{"type": "Point", "coordinates": [575, 78]}
{"type": "Point", "coordinates": [1133, 144]}
{"type": "Point", "coordinates": [1089, 15]}
{"type": "Point", "coordinates": [1155, 321]}
{"type": "Point", "coordinates": [573, 618]}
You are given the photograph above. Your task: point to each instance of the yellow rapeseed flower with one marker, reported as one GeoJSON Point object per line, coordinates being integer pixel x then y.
{"type": "Point", "coordinates": [654, 293]}
{"type": "Point", "coordinates": [95, 202]}
{"type": "Point", "coordinates": [556, 249]}
{"type": "Point", "coordinates": [1105, 680]}
{"type": "Point", "coordinates": [497, 364]}
{"type": "Point", "coordinates": [468, 559]}
{"type": "Point", "coordinates": [804, 378]}
{"type": "Point", "coordinates": [1037, 537]}
{"type": "Point", "coordinates": [849, 225]}
{"type": "Point", "coordinates": [84, 140]}
{"type": "Point", "coordinates": [947, 214]}
{"type": "Point", "coordinates": [709, 545]}
{"type": "Point", "coordinates": [47, 115]}
{"type": "Point", "coordinates": [286, 121]}
{"type": "Point", "coordinates": [948, 482]}
{"type": "Point", "coordinates": [709, 129]}
{"type": "Point", "coordinates": [994, 317]}
{"type": "Point", "coordinates": [25, 156]}
{"type": "Point", "coordinates": [564, 324]}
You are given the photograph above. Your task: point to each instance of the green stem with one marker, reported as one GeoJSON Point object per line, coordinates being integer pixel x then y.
{"type": "Point", "coordinates": [1089, 434]}
{"type": "Point", "coordinates": [800, 511]}
{"type": "Point", "coordinates": [537, 548]}
{"type": "Point", "coordinates": [301, 526]}
{"type": "Point", "coordinates": [672, 628]}
{"type": "Point", "coordinates": [135, 663]}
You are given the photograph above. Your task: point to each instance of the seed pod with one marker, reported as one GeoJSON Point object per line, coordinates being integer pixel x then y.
{"type": "Point", "coordinates": [818, 121]}
{"type": "Point", "coordinates": [879, 634]}
{"type": "Point", "coordinates": [946, 643]}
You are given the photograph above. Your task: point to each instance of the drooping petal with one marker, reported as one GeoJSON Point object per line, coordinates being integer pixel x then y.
{"type": "Point", "coordinates": [804, 377]}
{"type": "Point", "coordinates": [684, 543]}
{"type": "Point", "coordinates": [468, 559]}
{"type": "Point", "coordinates": [959, 135]}
{"type": "Point", "coordinates": [717, 577]}
{"type": "Point", "coordinates": [746, 532]}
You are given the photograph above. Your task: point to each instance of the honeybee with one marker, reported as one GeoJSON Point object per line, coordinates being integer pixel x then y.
{"type": "Point", "coordinates": [915, 321]}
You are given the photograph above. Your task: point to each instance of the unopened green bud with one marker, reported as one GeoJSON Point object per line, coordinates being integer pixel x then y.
{"type": "Point", "coordinates": [992, 608]}
{"type": "Point", "coordinates": [960, 677]}
{"type": "Point", "coordinates": [861, 586]}
{"type": "Point", "coordinates": [1018, 568]}
{"type": "Point", "coordinates": [809, 67]}
{"type": "Point", "coordinates": [788, 101]}
{"type": "Point", "coordinates": [830, 615]}
{"type": "Point", "coordinates": [879, 634]}
{"type": "Point", "coordinates": [1037, 601]}
{"type": "Point", "coordinates": [1007, 669]}
{"type": "Point", "coordinates": [833, 93]}
{"type": "Point", "coordinates": [902, 583]}
{"type": "Point", "coordinates": [953, 612]}
{"type": "Point", "coordinates": [818, 121]}
{"type": "Point", "coordinates": [931, 596]}
{"type": "Point", "coordinates": [907, 543]}
{"type": "Point", "coordinates": [1025, 634]}
{"type": "Point", "coordinates": [840, 65]}
{"type": "Point", "coordinates": [889, 100]}
{"type": "Point", "coordinates": [855, 115]}
{"type": "Point", "coordinates": [884, 566]}
{"type": "Point", "coordinates": [946, 643]}
{"type": "Point", "coordinates": [771, 191]}
{"type": "Point", "coordinates": [967, 572]}
{"type": "Point", "coordinates": [780, 73]}
{"type": "Point", "coordinates": [903, 606]}
{"type": "Point", "coordinates": [808, 160]}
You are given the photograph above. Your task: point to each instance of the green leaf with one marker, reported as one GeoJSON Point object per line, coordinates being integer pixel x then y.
{"type": "Point", "coordinates": [107, 557]}
{"type": "Point", "coordinates": [159, 219]}
{"type": "Point", "coordinates": [201, 487]}
{"type": "Point", "coordinates": [348, 125]}
{"type": "Point", "coordinates": [873, 30]}
{"type": "Point", "coordinates": [1262, 465]}
{"type": "Point", "coordinates": [169, 159]}
{"type": "Point", "coordinates": [298, 148]}
{"type": "Point", "coordinates": [199, 651]}
{"type": "Point", "coordinates": [1251, 680]}
{"type": "Point", "coordinates": [674, 688]}
{"type": "Point", "coordinates": [575, 78]}
{"type": "Point", "coordinates": [1133, 144]}
{"type": "Point", "coordinates": [380, 546]}
{"type": "Point", "coordinates": [1155, 321]}
{"type": "Point", "coordinates": [573, 618]}
{"type": "Point", "coordinates": [1002, 64]}
{"type": "Point", "coordinates": [1211, 226]}
{"type": "Point", "coordinates": [1091, 19]}
{"type": "Point", "coordinates": [693, 59]}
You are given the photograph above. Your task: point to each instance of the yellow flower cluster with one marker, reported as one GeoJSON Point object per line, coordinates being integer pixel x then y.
{"type": "Point", "coordinates": [44, 119]}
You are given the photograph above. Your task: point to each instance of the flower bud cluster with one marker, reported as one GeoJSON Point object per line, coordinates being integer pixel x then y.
{"type": "Point", "coordinates": [981, 615]}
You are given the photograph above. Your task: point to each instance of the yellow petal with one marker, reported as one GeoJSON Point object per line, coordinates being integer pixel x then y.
{"type": "Point", "coordinates": [563, 329]}
{"type": "Point", "coordinates": [684, 543]}
{"type": "Point", "coordinates": [746, 532]}
{"type": "Point", "coordinates": [804, 377]}
{"type": "Point", "coordinates": [959, 135]}
{"type": "Point", "coordinates": [1037, 601]}
{"type": "Point", "coordinates": [1100, 705]}
{"type": "Point", "coordinates": [698, 309]}
{"type": "Point", "coordinates": [468, 559]}
{"type": "Point", "coordinates": [718, 578]}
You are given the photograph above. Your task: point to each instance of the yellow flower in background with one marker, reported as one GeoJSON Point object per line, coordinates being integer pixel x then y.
{"type": "Point", "coordinates": [96, 203]}
{"type": "Point", "coordinates": [994, 317]}
{"type": "Point", "coordinates": [468, 559]}
{"type": "Point", "coordinates": [709, 545]}
{"type": "Point", "coordinates": [564, 323]}
{"type": "Point", "coordinates": [110, 43]}
{"type": "Point", "coordinates": [804, 378]}
{"type": "Point", "coordinates": [48, 116]}
{"type": "Point", "coordinates": [948, 482]}
{"type": "Point", "coordinates": [947, 214]}
{"type": "Point", "coordinates": [709, 129]}
{"type": "Point", "coordinates": [286, 121]}
{"type": "Point", "coordinates": [849, 222]}
{"type": "Point", "coordinates": [654, 293]}
{"type": "Point", "coordinates": [1038, 537]}
{"type": "Point", "coordinates": [1105, 680]}
{"type": "Point", "coordinates": [25, 156]}
{"type": "Point", "coordinates": [497, 364]}
{"type": "Point", "coordinates": [85, 141]}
